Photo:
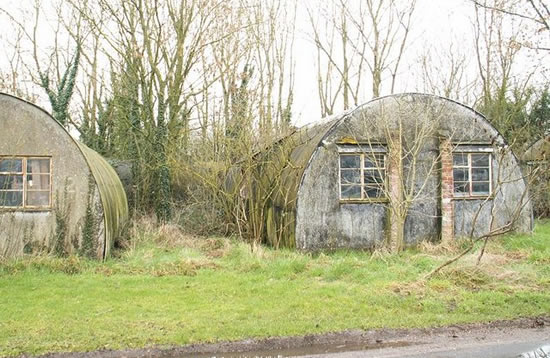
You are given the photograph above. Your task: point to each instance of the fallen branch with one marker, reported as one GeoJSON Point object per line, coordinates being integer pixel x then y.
{"type": "Point", "coordinates": [498, 231]}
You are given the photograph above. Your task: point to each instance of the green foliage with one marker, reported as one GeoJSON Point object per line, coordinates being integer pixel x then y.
{"type": "Point", "coordinates": [509, 114]}
{"type": "Point", "coordinates": [60, 97]}
{"type": "Point", "coordinates": [61, 217]}
{"type": "Point", "coordinates": [521, 116]}
{"type": "Point", "coordinates": [161, 174]}
{"type": "Point", "coordinates": [89, 230]}
{"type": "Point", "coordinates": [540, 192]}
{"type": "Point", "coordinates": [99, 139]}
{"type": "Point", "coordinates": [539, 117]}
{"type": "Point", "coordinates": [128, 127]}
{"type": "Point", "coordinates": [240, 123]}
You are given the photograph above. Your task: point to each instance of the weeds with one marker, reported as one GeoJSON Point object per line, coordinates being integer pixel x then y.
{"type": "Point", "coordinates": [71, 265]}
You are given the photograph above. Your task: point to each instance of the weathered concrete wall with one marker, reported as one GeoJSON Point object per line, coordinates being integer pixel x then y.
{"type": "Point", "coordinates": [509, 196]}
{"type": "Point", "coordinates": [323, 221]}
{"type": "Point", "coordinates": [26, 130]}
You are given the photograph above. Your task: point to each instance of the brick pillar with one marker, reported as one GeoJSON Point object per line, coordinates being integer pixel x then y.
{"type": "Point", "coordinates": [395, 192]}
{"type": "Point", "coordinates": [447, 189]}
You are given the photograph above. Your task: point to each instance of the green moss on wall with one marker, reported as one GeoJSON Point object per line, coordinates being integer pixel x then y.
{"type": "Point", "coordinates": [62, 210]}
{"type": "Point", "coordinates": [89, 230]}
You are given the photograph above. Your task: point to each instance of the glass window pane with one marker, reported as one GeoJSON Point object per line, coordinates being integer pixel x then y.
{"type": "Point", "coordinates": [374, 176]}
{"type": "Point", "coordinates": [11, 198]}
{"type": "Point", "coordinates": [461, 187]}
{"type": "Point", "coordinates": [480, 188]}
{"type": "Point", "coordinates": [38, 165]}
{"type": "Point", "coordinates": [11, 182]}
{"type": "Point", "coordinates": [460, 174]}
{"type": "Point", "coordinates": [373, 192]}
{"type": "Point", "coordinates": [480, 160]}
{"type": "Point", "coordinates": [350, 161]}
{"type": "Point", "coordinates": [351, 191]}
{"type": "Point", "coordinates": [350, 176]}
{"type": "Point", "coordinates": [11, 165]}
{"type": "Point", "coordinates": [38, 198]}
{"type": "Point", "coordinates": [480, 174]}
{"type": "Point", "coordinates": [460, 159]}
{"type": "Point", "coordinates": [376, 161]}
{"type": "Point", "coordinates": [38, 181]}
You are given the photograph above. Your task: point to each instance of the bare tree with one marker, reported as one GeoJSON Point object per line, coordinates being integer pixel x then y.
{"type": "Point", "coordinates": [537, 12]}
{"type": "Point", "coordinates": [166, 81]}
{"type": "Point", "coordinates": [328, 92]}
{"type": "Point", "coordinates": [246, 108]}
{"type": "Point", "coordinates": [445, 73]}
{"type": "Point", "coordinates": [372, 39]}
{"type": "Point", "coordinates": [15, 80]}
{"type": "Point", "coordinates": [495, 54]}
{"type": "Point", "coordinates": [408, 173]}
{"type": "Point", "coordinates": [505, 89]}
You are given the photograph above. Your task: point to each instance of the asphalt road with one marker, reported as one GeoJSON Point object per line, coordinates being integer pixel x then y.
{"type": "Point", "coordinates": [498, 339]}
{"type": "Point", "coordinates": [497, 344]}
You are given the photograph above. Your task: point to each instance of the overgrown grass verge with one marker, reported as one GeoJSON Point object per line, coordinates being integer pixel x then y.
{"type": "Point", "coordinates": [167, 288]}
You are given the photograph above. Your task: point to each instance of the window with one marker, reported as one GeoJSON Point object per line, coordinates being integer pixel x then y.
{"type": "Point", "coordinates": [472, 174]}
{"type": "Point", "coordinates": [362, 176]}
{"type": "Point", "coordinates": [25, 182]}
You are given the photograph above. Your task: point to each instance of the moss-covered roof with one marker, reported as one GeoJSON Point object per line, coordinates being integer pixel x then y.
{"type": "Point", "coordinates": [112, 194]}
{"type": "Point", "coordinates": [295, 152]}
{"type": "Point", "coordinates": [302, 145]}
{"type": "Point", "coordinates": [539, 151]}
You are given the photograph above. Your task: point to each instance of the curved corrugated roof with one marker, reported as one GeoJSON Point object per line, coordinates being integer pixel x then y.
{"type": "Point", "coordinates": [112, 194]}
{"type": "Point", "coordinates": [297, 150]}
{"type": "Point", "coordinates": [539, 151]}
{"type": "Point", "coordinates": [280, 218]}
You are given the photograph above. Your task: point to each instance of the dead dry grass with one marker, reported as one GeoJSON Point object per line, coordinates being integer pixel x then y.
{"type": "Point", "coordinates": [492, 271]}
{"type": "Point", "coordinates": [441, 248]}
{"type": "Point", "coordinates": [171, 236]}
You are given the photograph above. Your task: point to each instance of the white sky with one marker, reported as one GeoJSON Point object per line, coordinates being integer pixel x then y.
{"type": "Point", "coordinates": [436, 23]}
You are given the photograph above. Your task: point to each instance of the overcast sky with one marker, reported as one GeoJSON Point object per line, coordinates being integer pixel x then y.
{"type": "Point", "coordinates": [436, 23]}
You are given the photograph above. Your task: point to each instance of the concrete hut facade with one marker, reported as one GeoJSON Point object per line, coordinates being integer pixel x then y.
{"type": "Point", "coordinates": [56, 194]}
{"type": "Point", "coordinates": [345, 178]}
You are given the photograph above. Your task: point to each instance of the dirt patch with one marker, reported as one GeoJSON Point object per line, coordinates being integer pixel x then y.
{"type": "Point", "coordinates": [323, 343]}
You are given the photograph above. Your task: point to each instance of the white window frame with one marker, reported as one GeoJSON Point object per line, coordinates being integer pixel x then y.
{"type": "Point", "coordinates": [470, 193]}
{"type": "Point", "coordinates": [371, 152]}
{"type": "Point", "coordinates": [24, 206]}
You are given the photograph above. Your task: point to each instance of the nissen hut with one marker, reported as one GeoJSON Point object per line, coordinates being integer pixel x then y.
{"type": "Point", "coordinates": [56, 194]}
{"type": "Point", "coordinates": [398, 170]}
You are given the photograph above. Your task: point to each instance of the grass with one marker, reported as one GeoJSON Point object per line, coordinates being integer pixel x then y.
{"type": "Point", "coordinates": [171, 289]}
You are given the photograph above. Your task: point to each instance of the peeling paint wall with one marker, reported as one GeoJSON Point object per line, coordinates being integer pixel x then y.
{"type": "Point", "coordinates": [324, 221]}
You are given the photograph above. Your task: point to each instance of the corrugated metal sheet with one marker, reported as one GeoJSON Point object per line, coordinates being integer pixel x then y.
{"type": "Point", "coordinates": [112, 194]}
{"type": "Point", "coordinates": [287, 165]}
